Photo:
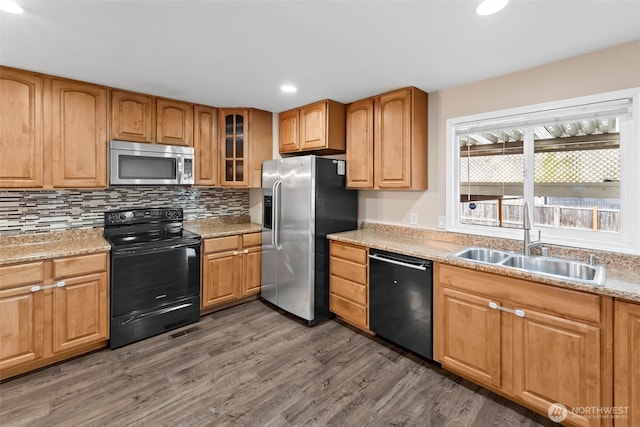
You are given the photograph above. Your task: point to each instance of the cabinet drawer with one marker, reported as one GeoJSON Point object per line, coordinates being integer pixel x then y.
{"type": "Point", "coordinates": [517, 292]}
{"type": "Point", "coordinates": [22, 274]}
{"type": "Point", "coordinates": [76, 266]}
{"type": "Point", "coordinates": [251, 239]}
{"type": "Point", "coordinates": [348, 310]}
{"type": "Point", "coordinates": [347, 289]}
{"type": "Point", "coordinates": [221, 244]}
{"type": "Point", "coordinates": [356, 254]}
{"type": "Point", "coordinates": [348, 270]}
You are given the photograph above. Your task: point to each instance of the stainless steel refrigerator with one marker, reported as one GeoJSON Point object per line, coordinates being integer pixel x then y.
{"type": "Point", "coordinates": [304, 199]}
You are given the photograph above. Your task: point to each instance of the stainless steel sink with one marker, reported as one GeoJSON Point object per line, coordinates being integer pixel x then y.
{"type": "Point", "coordinates": [546, 266]}
{"type": "Point", "coordinates": [491, 256]}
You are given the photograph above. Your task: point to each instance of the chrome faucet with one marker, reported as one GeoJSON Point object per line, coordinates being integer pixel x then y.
{"type": "Point", "coordinates": [528, 244]}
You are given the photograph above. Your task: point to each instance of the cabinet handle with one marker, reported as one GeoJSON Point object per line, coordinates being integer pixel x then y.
{"type": "Point", "coordinates": [60, 284]}
{"type": "Point", "coordinates": [36, 288]}
{"type": "Point", "coordinates": [496, 306]}
{"type": "Point", "coordinates": [246, 251]}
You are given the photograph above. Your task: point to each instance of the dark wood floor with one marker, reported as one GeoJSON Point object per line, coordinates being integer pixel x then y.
{"type": "Point", "coordinates": [251, 365]}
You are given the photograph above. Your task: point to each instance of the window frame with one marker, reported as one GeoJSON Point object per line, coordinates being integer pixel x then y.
{"type": "Point", "coordinates": [626, 240]}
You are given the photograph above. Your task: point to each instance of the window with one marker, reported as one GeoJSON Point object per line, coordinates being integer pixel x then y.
{"type": "Point", "coordinates": [574, 162]}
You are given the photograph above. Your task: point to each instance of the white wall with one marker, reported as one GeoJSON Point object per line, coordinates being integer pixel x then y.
{"type": "Point", "coordinates": [605, 70]}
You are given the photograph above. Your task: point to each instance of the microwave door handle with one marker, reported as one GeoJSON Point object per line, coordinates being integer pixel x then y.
{"type": "Point", "coordinates": [180, 165]}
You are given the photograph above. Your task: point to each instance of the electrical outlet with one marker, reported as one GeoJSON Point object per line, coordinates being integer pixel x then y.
{"type": "Point", "coordinates": [413, 218]}
{"type": "Point", "coordinates": [442, 221]}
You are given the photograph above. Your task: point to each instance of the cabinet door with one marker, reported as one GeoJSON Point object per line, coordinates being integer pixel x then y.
{"type": "Point", "coordinates": [21, 314]}
{"type": "Point", "coordinates": [360, 144]}
{"type": "Point", "coordinates": [174, 122]}
{"type": "Point", "coordinates": [313, 126]}
{"type": "Point", "coordinates": [557, 360]}
{"type": "Point", "coordinates": [468, 340]}
{"type": "Point", "coordinates": [80, 311]}
{"type": "Point", "coordinates": [393, 140]}
{"type": "Point", "coordinates": [20, 129]}
{"type": "Point", "coordinates": [132, 116]}
{"type": "Point", "coordinates": [627, 362]}
{"type": "Point", "coordinates": [221, 275]}
{"type": "Point", "coordinates": [205, 144]}
{"type": "Point", "coordinates": [251, 271]}
{"type": "Point", "coordinates": [233, 126]}
{"type": "Point", "coordinates": [289, 131]}
{"type": "Point", "coordinates": [78, 132]}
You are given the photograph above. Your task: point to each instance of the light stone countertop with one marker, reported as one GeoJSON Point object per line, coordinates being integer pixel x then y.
{"type": "Point", "coordinates": [208, 229]}
{"type": "Point", "coordinates": [621, 282]}
{"type": "Point", "coordinates": [44, 246]}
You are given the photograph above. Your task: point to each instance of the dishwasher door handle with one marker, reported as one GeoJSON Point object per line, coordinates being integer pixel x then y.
{"type": "Point", "coordinates": [421, 267]}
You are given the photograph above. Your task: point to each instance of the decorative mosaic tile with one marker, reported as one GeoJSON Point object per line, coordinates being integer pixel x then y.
{"type": "Point", "coordinates": [48, 210]}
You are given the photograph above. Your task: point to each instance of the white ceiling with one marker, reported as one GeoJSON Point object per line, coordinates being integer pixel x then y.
{"type": "Point", "coordinates": [238, 53]}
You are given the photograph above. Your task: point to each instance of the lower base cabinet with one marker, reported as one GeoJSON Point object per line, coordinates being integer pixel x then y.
{"type": "Point", "coordinates": [231, 267]}
{"type": "Point", "coordinates": [627, 363]}
{"type": "Point", "coordinates": [52, 310]}
{"type": "Point", "coordinates": [349, 283]}
{"type": "Point", "coordinates": [536, 344]}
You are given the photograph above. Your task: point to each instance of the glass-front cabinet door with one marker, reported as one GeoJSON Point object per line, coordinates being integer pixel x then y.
{"type": "Point", "coordinates": [234, 160]}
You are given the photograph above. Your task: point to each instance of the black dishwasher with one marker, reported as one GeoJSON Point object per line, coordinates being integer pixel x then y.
{"type": "Point", "coordinates": [401, 300]}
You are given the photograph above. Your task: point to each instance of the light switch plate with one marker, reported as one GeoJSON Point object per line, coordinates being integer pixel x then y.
{"type": "Point", "coordinates": [442, 221]}
{"type": "Point", "coordinates": [413, 218]}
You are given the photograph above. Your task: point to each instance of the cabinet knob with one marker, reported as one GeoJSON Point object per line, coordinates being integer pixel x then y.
{"type": "Point", "coordinates": [35, 288]}
{"type": "Point", "coordinates": [246, 251]}
{"type": "Point", "coordinates": [60, 284]}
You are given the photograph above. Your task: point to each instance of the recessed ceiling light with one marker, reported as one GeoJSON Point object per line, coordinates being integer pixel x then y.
{"type": "Point", "coordinates": [288, 88]}
{"type": "Point", "coordinates": [489, 7]}
{"type": "Point", "coordinates": [10, 6]}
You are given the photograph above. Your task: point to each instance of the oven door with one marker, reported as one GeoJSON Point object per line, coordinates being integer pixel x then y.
{"type": "Point", "coordinates": [144, 279]}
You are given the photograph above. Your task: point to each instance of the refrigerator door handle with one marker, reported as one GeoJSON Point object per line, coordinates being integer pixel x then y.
{"type": "Point", "coordinates": [276, 215]}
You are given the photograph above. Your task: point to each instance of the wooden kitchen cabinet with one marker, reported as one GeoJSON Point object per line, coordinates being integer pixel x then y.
{"type": "Point", "coordinates": [246, 140]}
{"type": "Point", "coordinates": [315, 128]}
{"type": "Point", "coordinates": [52, 310]}
{"type": "Point", "coordinates": [21, 132]}
{"type": "Point", "coordinates": [205, 145]}
{"type": "Point", "coordinates": [132, 116]}
{"type": "Point", "coordinates": [399, 129]}
{"type": "Point", "coordinates": [289, 131]}
{"type": "Point", "coordinates": [76, 127]}
{"type": "Point", "coordinates": [174, 122]}
{"type": "Point", "coordinates": [534, 343]}
{"type": "Point", "coordinates": [21, 315]}
{"type": "Point", "coordinates": [137, 117]}
{"type": "Point", "coordinates": [230, 269]}
{"type": "Point", "coordinates": [360, 144]}
{"type": "Point", "coordinates": [349, 283]}
{"type": "Point", "coordinates": [627, 362]}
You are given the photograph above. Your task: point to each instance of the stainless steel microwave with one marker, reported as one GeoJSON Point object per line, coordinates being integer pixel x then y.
{"type": "Point", "coordinates": [135, 163]}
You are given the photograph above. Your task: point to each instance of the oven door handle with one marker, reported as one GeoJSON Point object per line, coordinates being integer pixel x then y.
{"type": "Point", "coordinates": [142, 251]}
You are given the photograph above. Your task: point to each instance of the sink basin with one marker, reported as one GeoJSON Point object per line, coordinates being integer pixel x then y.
{"type": "Point", "coordinates": [487, 255]}
{"type": "Point", "coordinates": [555, 266]}
{"type": "Point", "coordinates": [547, 266]}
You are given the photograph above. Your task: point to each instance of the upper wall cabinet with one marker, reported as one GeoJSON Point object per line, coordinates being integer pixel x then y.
{"type": "Point", "coordinates": [399, 128]}
{"type": "Point", "coordinates": [76, 123]}
{"type": "Point", "coordinates": [20, 129]}
{"type": "Point", "coordinates": [132, 116]}
{"type": "Point", "coordinates": [53, 132]}
{"type": "Point", "coordinates": [143, 118]}
{"type": "Point", "coordinates": [205, 144]}
{"type": "Point", "coordinates": [246, 140]}
{"type": "Point", "coordinates": [315, 128]}
{"type": "Point", "coordinates": [174, 122]}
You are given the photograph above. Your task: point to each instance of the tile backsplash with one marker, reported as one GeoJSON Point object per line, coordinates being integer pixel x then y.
{"type": "Point", "coordinates": [49, 210]}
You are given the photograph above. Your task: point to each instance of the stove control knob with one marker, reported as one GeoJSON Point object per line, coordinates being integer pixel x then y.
{"type": "Point", "coordinates": [173, 214]}
{"type": "Point", "coordinates": [122, 217]}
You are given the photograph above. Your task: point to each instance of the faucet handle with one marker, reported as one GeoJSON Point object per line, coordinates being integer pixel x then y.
{"type": "Point", "coordinates": [593, 258]}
